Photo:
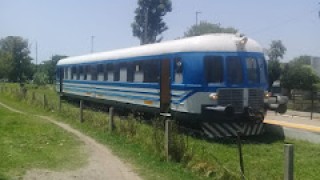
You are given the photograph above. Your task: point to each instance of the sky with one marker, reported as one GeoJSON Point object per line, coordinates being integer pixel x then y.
{"type": "Point", "coordinates": [65, 27]}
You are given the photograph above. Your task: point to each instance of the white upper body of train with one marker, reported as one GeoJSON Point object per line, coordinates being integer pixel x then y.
{"type": "Point", "coordinates": [206, 43]}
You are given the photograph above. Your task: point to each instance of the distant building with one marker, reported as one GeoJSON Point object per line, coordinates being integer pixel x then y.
{"type": "Point", "coordinates": [315, 63]}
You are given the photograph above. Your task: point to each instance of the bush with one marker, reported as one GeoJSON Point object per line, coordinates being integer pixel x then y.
{"type": "Point", "coordinates": [40, 78]}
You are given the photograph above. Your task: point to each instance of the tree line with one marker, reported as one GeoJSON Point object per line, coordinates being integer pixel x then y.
{"type": "Point", "coordinates": [295, 74]}
{"type": "Point", "coordinates": [16, 63]}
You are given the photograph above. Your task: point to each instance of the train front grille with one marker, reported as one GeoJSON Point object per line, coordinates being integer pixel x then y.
{"type": "Point", "coordinates": [256, 98]}
{"type": "Point", "coordinates": [232, 97]}
{"type": "Point", "coordinates": [240, 98]}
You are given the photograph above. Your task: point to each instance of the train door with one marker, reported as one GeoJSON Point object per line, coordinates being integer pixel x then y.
{"type": "Point", "coordinates": [165, 86]}
{"type": "Point", "coordinates": [61, 75]}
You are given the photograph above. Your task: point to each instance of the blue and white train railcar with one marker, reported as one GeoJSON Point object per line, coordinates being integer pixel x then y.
{"type": "Point", "coordinates": [217, 77]}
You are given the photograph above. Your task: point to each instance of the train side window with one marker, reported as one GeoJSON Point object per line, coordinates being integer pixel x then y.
{"type": "Point", "coordinates": [151, 71]}
{"type": "Point", "coordinates": [138, 72]}
{"type": "Point", "coordinates": [69, 73]}
{"type": "Point", "coordinates": [213, 68]}
{"type": "Point", "coordinates": [178, 70]}
{"type": "Point", "coordinates": [100, 72]}
{"type": "Point", "coordinates": [252, 70]}
{"type": "Point", "coordinates": [93, 72]}
{"type": "Point", "coordinates": [110, 70]}
{"type": "Point", "coordinates": [130, 72]}
{"type": "Point", "coordinates": [73, 72]}
{"type": "Point", "coordinates": [123, 72]}
{"type": "Point", "coordinates": [78, 72]}
{"type": "Point", "coordinates": [105, 72]}
{"type": "Point", "coordinates": [81, 73]}
{"type": "Point", "coordinates": [263, 73]}
{"type": "Point", "coordinates": [116, 74]}
{"type": "Point", "coordinates": [65, 73]}
{"type": "Point", "coordinates": [87, 73]}
{"type": "Point", "coordinates": [234, 70]}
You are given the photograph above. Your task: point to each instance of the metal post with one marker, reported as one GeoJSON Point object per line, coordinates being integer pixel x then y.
{"type": "Point", "coordinates": [288, 162]}
{"type": "Point", "coordinates": [81, 111]}
{"type": "Point", "coordinates": [197, 13]}
{"type": "Point", "coordinates": [111, 118]}
{"type": "Point", "coordinates": [36, 55]}
{"type": "Point", "coordinates": [312, 105]}
{"type": "Point", "coordinates": [167, 139]}
{"type": "Point", "coordinates": [240, 154]}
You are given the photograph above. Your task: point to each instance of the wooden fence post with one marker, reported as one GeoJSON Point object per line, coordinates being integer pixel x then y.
{"type": "Point", "coordinates": [81, 111]}
{"type": "Point", "coordinates": [33, 96]}
{"type": "Point", "coordinates": [45, 102]}
{"type": "Point", "coordinates": [288, 162]}
{"type": "Point", "coordinates": [111, 119]}
{"type": "Point", "coordinates": [59, 102]}
{"type": "Point", "coordinates": [168, 139]}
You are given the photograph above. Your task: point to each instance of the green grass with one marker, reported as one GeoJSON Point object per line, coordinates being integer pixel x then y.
{"type": "Point", "coordinates": [263, 155]}
{"type": "Point", "coordinates": [27, 142]}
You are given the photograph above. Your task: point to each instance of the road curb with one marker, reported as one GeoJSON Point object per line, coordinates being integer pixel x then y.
{"type": "Point", "coordinates": [293, 133]}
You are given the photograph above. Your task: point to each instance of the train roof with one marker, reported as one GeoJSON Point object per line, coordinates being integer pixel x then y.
{"type": "Point", "coordinates": [205, 43]}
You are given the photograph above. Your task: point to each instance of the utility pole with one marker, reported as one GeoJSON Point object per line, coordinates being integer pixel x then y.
{"type": "Point", "coordinates": [197, 13]}
{"type": "Point", "coordinates": [92, 39]}
{"type": "Point", "coordinates": [319, 10]}
{"type": "Point", "coordinates": [36, 55]}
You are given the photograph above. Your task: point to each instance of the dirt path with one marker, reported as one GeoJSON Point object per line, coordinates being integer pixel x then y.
{"type": "Point", "coordinates": [102, 164]}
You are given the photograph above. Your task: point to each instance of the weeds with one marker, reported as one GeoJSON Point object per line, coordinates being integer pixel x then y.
{"type": "Point", "coordinates": [217, 159]}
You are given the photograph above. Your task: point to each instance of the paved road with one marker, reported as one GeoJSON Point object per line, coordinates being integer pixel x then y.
{"type": "Point", "coordinates": [296, 125]}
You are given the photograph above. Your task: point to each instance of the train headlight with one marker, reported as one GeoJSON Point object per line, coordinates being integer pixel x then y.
{"type": "Point", "coordinates": [213, 96]}
{"type": "Point", "coordinates": [267, 94]}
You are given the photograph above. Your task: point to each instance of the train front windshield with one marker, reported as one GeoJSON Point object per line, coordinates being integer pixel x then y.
{"type": "Point", "coordinates": [236, 70]}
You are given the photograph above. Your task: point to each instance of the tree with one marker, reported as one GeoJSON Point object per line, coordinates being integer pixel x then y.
{"type": "Point", "coordinates": [206, 28]}
{"type": "Point", "coordinates": [48, 68]}
{"type": "Point", "coordinates": [301, 60]}
{"type": "Point", "coordinates": [5, 65]}
{"type": "Point", "coordinates": [276, 50]}
{"type": "Point", "coordinates": [149, 24]}
{"type": "Point", "coordinates": [40, 78]}
{"type": "Point", "coordinates": [15, 52]}
{"type": "Point", "coordinates": [298, 74]}
{"type": "Point", "coordinates": [274, 71]}
{"type": "Point", "coordinates": [275, 53]}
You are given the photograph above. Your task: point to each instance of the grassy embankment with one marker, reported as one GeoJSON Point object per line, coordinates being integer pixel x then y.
{"type": "Point", "coordinates": [142, 145]}
{"type": "Point", "coordinates": [27, 142]}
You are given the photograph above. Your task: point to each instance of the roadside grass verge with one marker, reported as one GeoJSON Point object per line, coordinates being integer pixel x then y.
{"type": "Point", "coordinates": [141, 145]}
{"type": "Point", "coordinates": [27, 142]}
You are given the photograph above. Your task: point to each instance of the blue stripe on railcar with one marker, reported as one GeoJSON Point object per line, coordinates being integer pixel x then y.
{"type": "Point", "coordinates": [113, 92]}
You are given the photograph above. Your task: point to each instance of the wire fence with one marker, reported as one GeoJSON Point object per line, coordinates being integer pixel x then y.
{"type": "Point", "coordinates": [304, 105]}
{"type": "Point", "coordinates": [188, 146]}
